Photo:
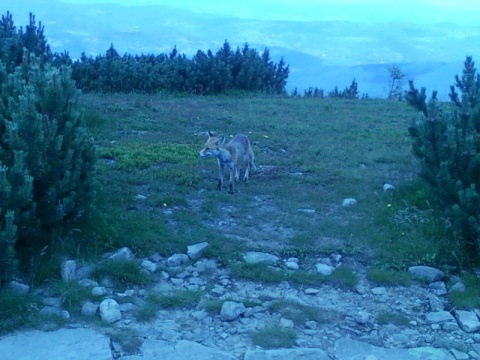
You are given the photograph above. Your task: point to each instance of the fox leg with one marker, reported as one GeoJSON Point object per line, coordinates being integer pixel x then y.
{"type": "Point", "coordinates": [237, 173]}
{"type": "Point", "coordinates": [220, 176]}
{"type": "Point", "coordinates": [247, 171]}
{"type": "Point", "coordinates": [232, 180]}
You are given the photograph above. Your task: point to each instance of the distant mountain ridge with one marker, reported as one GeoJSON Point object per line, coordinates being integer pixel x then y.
{"type": "Point", "coordinates": [321, 54]}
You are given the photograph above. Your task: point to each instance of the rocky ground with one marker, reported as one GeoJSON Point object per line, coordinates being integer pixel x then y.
{"type": "Point", "coordinates": [330, 322]}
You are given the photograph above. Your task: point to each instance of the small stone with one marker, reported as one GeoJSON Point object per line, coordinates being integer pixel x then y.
{"type": "Point", "coordinates": [458, 287]}
{"type": "Point", "coordinates": [195, 251]}
{"type": "Point", "coordinates": [362, 317]}
{"type": "Point", "coordinates": [18, 287]}
{"type": "Point", "coordinates": [89, 309]}
{"type": "Point", "coordinates": [68, 269]}
{"type": "Point", "coordinates": [231, 310]}
{"type": "Point", "coordinates": [380, 290]}
{"type": "Point", "coordinates": [450, 326]}
{"type": "Point", "coordinates": [88, 283]}
{"type": "Point", "coordinates": [439, 288]}
{"type": "Point", "coordinates": [110, 311]}
{"type": "Point", "coordinates": [348, 202]}
{"type": "Point", "coordinates": [286, 323]}
{"type": "Point", "coordinates": [388, 187]}
{"type": "Point", "coordinates": [436, 317]}
{"type": "Point", "coordinates": [123, 253]}
{"type": "Point", "coordinates": [99, 291]}
{"type": "Point", "coordinates": [257, 257]}
{"type": "Point", "coordinates": [426, 273]}
{"type": "Point", "coordinates": [148, 265]}
{"type": "Point", "coordinates": [219, 290]}
{"type": "Point", "coordinates": [177, 260]}
{"type": "Point", "coordinates": [55, 311]}
{"type": "Point", "coordinates": [311, 291]}
{"type": "Point", "coordinates": [324, 269]}
{"type": "Point", "coordinates": [290, 265]}
{"type": "Point", "coordinates": [312, 325]}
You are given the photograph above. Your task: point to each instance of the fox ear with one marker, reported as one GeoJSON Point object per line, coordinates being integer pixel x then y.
{"type": "Point", "coordinates": [210, 134]}
{"type": "Point", "coordinates": [221, 140]}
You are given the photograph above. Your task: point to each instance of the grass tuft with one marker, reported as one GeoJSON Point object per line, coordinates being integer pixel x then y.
{"type": "Point", "coordinates": [274, 337]}
{"type": "Point", "coordinates": [124, 272]}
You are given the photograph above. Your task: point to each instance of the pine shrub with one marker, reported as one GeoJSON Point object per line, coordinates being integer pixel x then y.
{"type": "Point", "coordinates": [447, 143]}
{"type": "Point", "coordinates": [46, 156]}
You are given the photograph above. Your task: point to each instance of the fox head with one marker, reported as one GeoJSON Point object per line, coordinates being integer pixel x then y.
{"type": "Point", "coordinates": [212, 146]}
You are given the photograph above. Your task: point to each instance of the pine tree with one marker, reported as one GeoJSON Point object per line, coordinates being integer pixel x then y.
{"type": "Point", "coordinates": [45, 153]}
{"type": "Point", "coordinates": [395, 88]}
{"type": "Point", "coordinates": [448, 147]}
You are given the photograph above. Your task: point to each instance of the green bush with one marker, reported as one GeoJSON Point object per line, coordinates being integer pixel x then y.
{"type": "Point", "coordinates": [46, 157]}
{"type": "Point", "coordinates": [448, 147]}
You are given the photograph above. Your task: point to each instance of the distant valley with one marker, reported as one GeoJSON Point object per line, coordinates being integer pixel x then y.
{"type": "Point", "coordinates": [321, 54]}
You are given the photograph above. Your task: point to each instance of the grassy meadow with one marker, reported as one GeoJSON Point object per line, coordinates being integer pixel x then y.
{"type": "Point", "coordinates": [156, 195]}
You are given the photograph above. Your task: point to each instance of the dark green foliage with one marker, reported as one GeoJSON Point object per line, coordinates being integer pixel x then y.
{"type": "Point", "coordinates": [447, 144]}
{"type": "Point", "coordinates": [8, 237]}
{"type": "Point", "coordinates": [13, 41]}
{"type": "Point", "coordinates": [206, 73]}
{"type": "Point", "coordinates": [46, 156]}
{"type": "Point", "coordinates": [312, 92]}
{"type": "Point", "coordinates": [17, 310]}
{"type": "Point", "coordinates": [350, 92]}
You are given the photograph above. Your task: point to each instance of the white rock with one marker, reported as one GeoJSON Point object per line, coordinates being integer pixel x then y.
{"type": "Point", "coordinates": [195, 251]}
{"type": "Point", "coordinates": [286, 323]}
{"type": "Point", "coordinates": [52, 310]}
{"type": "Point", "coordinates": [290, 265]}
{"type": "Point", "coordinates": [121, 254]}
{"type": "Point", "coordinates": [450, 326]}
{"type": "Point", "coordinates": [110, 311]}
{"type": "Point", "coordinates": [88, 283]}
{"type": "Point", "coordinates": [300, 353]}
{"type": "Point", "coordinates": [347, 202]}
{"type": "Point", "coordinates": [379, 290]}
{"type": "Point", "coordinates": [388, 187]}
{"type": "Point", "coordinates": [149, 266]}
{"type": "Point", "coordinates": [459, 355]}
{"type": "Point", "coordinates": [99, 291]}
{"type": "Point", "coordinates": [458, 287]}
{"type": "Point", "coordinates": [68, 270]}
{"type": "Point", "coordinates": [311, 291]}
{"type": "Point", "coordinates": [177, 260]}
{"type": "Point", "coordinates": [256, 257]}
{"type": "Point", "coordinates": [89, 309]}
{"type": "Point", "coordinates": [73, 344]}
{"type": "Point", "coordinates": [467, 320]}
{"type": "Point", "coordinates": [324, 269]}
{"type": "Point", "coordinates": [18, 287]}
{"type": "Point", "coordinates": [436, 317]}
{"type": "Point", "coordinates": [183, 349]}
{"type": "Point", "coordinates": [231, 310]}
{"type": "Point", "coordinates": [336, 257]}
{"type": "Point", "coordinates": [426, 273]}
{"type": "Point", "coordinates": [362, 317]}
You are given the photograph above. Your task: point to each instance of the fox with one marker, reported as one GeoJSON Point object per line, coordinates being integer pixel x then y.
{"type": "Point", "coordinates": [228, 156]}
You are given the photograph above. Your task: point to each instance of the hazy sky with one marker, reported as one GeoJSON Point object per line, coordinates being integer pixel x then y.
{"type": "Point", "coordinates": [460, 11]}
